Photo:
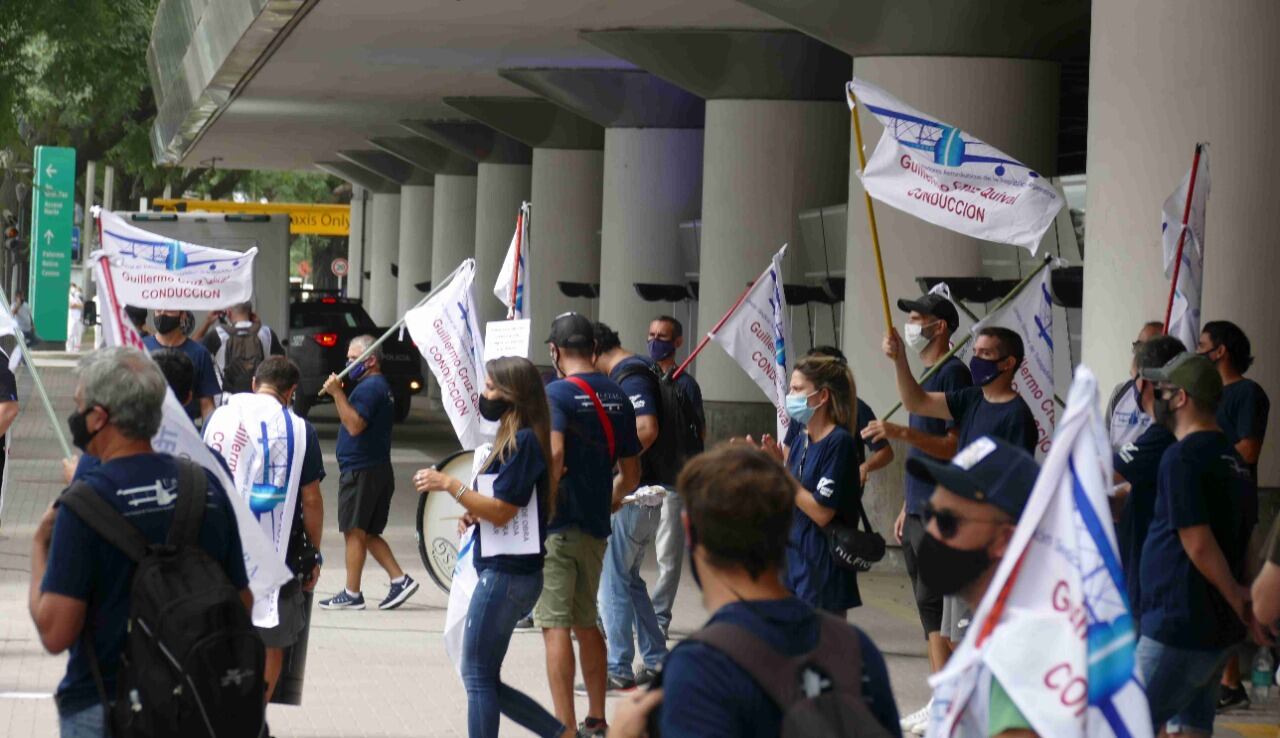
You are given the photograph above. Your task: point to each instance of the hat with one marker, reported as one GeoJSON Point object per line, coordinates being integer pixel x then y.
{"type": "Point", "coordinates": [935, 305]}
{"type": "Point", "coordinates": [1190, 372]}
{"type": "Point", "coordinates": [988, 470]}
{"type": "Point", "coordinates": [572, 330]}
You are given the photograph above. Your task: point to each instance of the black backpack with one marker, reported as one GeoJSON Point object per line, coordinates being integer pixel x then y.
{"type": "Point", "coordinates": [243, 353]}
{"type": "Point", "coordinates": [192, 663]}
{"type": "Point", "coordinates": [679, 429]}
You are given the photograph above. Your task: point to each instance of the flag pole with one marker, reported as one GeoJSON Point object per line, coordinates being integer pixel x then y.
{"type": "Point", "coordinates": [1017, 289]}
{"type": "Point", "coordinates": [871, 212]}
{"type": "Point", "coordinates": [515, 268]}
{"type": "Point", "coordinates": [54, 420]}
{"type": "Point", "coordinates": [1182, 237]}
{"type": "Point", "coordinates": [715, 329]}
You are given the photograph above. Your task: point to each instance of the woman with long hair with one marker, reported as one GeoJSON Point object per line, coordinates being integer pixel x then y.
{"type": "Point", "coordinates": [520, 468]}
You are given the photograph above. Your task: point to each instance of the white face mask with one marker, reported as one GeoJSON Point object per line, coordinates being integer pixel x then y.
{"type": "Point", "coordinates": [913, 333]}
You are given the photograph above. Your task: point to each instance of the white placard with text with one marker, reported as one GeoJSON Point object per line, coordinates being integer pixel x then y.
{"type": "Point", "coordinates": [506, 338]}
{"type": "Point", "coordinates": [519, 536]}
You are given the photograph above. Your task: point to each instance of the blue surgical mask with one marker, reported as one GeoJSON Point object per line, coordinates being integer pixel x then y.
{"type": "Point", "coordinates": [798, 408]}
{"type": "Point", "coordinates": [357, 371]}
{"type": "Point", "coordinates": [660, 350]}
{"type": "Point", "coordinates": [983, 370]}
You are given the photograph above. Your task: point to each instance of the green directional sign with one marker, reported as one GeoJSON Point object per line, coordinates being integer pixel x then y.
{"type": "Point", "coordinates": [53, 207]}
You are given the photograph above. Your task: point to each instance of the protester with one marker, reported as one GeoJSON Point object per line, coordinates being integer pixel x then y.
{"type": "Point", "coordinates": [666, 337]}
{"type": "Point", "coordinates": [971, 515]}
{"type": "Point", "coordinates": [592, 431]}
{"type": "Point", "coordinates": [1124, 417]}
{"type": "Point", "coordinates": [138, 317]}
{"type": "Point", "coordinates": [293, 516]}
{"type": "Point", "coordinates": [1194, 606]}
{"type": "Point", "coordinates": [931, 321]}
{"type": "Point", "coordinates": [8, 413]}
{"type": "Point", "coordinates": [1137, 465]}
{"type": "Point", "coordinates": [366, 480]}
{"type": "Point", "coordinates": [22, 316]}
{"type": "Point", "coordinates": [238, 342]}
{"type": "Point", "coordinates": [118, 407]}
{"type": "Point", "coordinates": [738, 509]}
{"type": "Point", "coordinates": [520, 465]}
{"type": "Point", "coordinates": [881, 453]}
{"type": "Point", "coordinates": [75, 317]}
{"type": "Point", "coordinates": [623, 599]}
{"type": "Point", "coordinates": [169, 335]}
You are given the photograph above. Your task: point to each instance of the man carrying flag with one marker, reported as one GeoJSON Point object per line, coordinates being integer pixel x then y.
{"type": "Point", "coordinates": [512, 287]}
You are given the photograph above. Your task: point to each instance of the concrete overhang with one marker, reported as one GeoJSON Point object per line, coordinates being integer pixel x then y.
{"type": "Point", "coordinates": [425, 154]}
{"type": "Point", "coordinates": [358, 175]}
{"type": "Point", "coordinates": [614, 98]}
{"type": "Point", "coordinates": [476, 141]}
{"type": "Point", "coordinates": [532, 121]}
{"type": "Point", "coordinates": [388, 167]}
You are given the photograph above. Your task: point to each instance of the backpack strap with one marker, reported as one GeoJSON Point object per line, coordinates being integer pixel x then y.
{"type": "Point", "coordinates": [774, 672]}
{"type": "Point", "coordinates": [188, 514]}
{"type": "Point", "coordinates": [605, 423]}
{"type": "Point", "coordinates": [839, 654]}
{"type": "Point", "coordinates": [103, 519]}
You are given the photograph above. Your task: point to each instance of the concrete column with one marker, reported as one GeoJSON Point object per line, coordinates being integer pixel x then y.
{"type": "Point", "coordinates": [354, 281]}
{"type": "Point", "coordinates": [1147, 109]}
{"type": "Point", "coordinates": [417, 222]}
{"type": "Point", "coordinates": [565, 233]}
{"type": "Point", "coordinates": [86, 226]}
{"type": "Point", "coordinates": [1010, 103]}
{"type": "Point", "coordinates": [652, 183]}
{"type": "Point", "coordinates": [384, 212]}
{"type": "Point", "coordinates": [455, 227]}
{"type": "Point", "coordinates": [764, 161]}
{"type": "Point", "coordinates": [500, 188]}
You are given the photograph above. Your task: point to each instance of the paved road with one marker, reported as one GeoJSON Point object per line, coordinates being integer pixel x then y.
{"type": "Point", "coordinates": [370, 673]}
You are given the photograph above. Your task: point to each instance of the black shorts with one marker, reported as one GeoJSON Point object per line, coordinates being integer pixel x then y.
{"type": "Point", "coordinates": [927, 602]}
{"type": "Point", "coordinates": [293, 617]}
{"type": "Point", "coordinates": [364, 498]}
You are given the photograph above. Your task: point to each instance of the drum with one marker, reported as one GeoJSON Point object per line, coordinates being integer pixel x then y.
{"type": "Point", "coordinates": [438, 517]}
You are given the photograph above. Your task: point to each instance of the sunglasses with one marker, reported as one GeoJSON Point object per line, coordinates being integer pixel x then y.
{"type": "Point", "coordinates": [949, 522]}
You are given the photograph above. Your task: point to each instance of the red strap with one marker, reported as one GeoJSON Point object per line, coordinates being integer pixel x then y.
{"type": "Point", "coordinates": [600, 413]}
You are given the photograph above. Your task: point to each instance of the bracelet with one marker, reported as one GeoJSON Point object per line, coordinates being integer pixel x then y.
{"type": "Point", "coordinates": [462, 488]}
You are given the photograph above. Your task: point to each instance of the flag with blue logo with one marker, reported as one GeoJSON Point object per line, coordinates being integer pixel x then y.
{"type": "Point", "coordinates": [1054, 627]}
{"type": "Point", "coordinates": [512, 287]}
{"type": "Point", "coordinates": [1184, 320]}
{"type": "Point", "coordinates": [928, 168]}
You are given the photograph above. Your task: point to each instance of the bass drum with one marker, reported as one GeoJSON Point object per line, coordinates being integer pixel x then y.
{"type": "Point", "coordinates": [438, 517]}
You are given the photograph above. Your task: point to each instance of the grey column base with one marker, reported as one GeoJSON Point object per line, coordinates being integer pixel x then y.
{"type": "Point", "coordinates": [727, 420]}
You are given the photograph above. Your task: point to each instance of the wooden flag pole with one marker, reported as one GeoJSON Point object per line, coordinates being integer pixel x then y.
{"type": "Point", "coordinates": [871, 211]}
{"type": "Point", "coordinates": [1182, 237]}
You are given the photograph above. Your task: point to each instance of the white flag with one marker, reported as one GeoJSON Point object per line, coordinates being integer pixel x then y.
{"type": "Point", "coordinates": [462, 584]}
{"type": "Point", "coordinates": [9, 327]}
{"type": "Point", "coordinates": [1030, 315]}
{"type": "Point", "coordinates": [160, 273]}
{"type": "Point", "coordinates": [512, 287]}
{"type": "Point", "coordinates": [178, 437]}
{"type": "Point", "coordinates": [1184, 321]}
{"type": "Point", "coordinates": [939, 173]}
{"type": "Point", "coordinates": [754, 333]}
{"type": "Point", "coordinates": [447, 332]}
{"type": "Point", "coordinates": [1054, 626]}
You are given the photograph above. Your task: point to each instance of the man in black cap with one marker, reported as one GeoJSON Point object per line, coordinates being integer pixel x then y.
{"type": "Point", "coordinates": [593, 429]}
{"type": "Point", "coordinates": [931, 321]}
{"type": "Point", "coordinates": [977, 499]}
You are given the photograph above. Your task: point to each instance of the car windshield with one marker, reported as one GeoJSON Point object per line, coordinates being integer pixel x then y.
{"type": "Point", "coordinates": [329, 316]}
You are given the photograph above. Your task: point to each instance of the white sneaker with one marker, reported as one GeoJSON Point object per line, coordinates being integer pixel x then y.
{"type": "Point", "coordinates": [920, 728]}
{"type": "Point", "coordinates": [918, 718]}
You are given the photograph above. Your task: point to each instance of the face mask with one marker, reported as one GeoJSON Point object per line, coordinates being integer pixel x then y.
{"type": "Point", "coordinates": [167, 323]}
{"type": "Point", "coordinates": [946, 570]}
{"type": "Point", "coordinates": [1162, 411]}
{"type": "Point", "coordinates": [78, 423]}
{"type": "Point", "coordinates": [660, 350]}
{"type": "Point", "coordinates": [914, 335]}
{"type": "Point", "coordinates": [798, 408]}
{"type": "Point", "coordinates": [357, 371]}
{"type": "Point", "coordinates": [693, 563]}
{"type": "Point", "coordinates": [555, 362]}
{"type": "Point", "coordinates": [493, 410]}
{"type": "Point", "coordinates": [983, 370]}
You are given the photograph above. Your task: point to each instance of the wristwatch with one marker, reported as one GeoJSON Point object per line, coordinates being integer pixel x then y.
{"type": "Point", "coordinates": [319, 558]}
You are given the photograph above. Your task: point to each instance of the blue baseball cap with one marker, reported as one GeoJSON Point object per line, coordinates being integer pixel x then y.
{"type": "Point", "coordinates": [988, 470]}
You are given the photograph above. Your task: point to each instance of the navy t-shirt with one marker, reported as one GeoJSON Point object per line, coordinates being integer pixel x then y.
{"type": "Point", "coordinates": [952, 376]}
{"type": "Point", "coordinates": [586, 489]}
{"type": "Point", "coordinates": [1243, 413]}
{"type": "Point", "coordinates": [84, 566]}
{"type": "Point", "coordinates": [1201, 482]}
{"type": "Point", "coordinates": [826, 468]}
{"type": "Point", "coordinates": [706, 694]}
{"type": "Point", "coordinates": [204, 381]}
{"type": "Point", "coordinates": [642, 388]}
{"type": "Point", "coordinates": [1011, 421]}
{"type": "Point", "coordinates": [371, 398]}
{"type": "Point", "coordinates": [1139, 463]}
{"type": "Point", "coordinates": [523, 471]}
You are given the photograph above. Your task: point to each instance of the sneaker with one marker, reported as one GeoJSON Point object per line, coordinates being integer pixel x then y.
{"type": "Point", "coordinates": [593, 728]}
{"type": "Point", "coordinates": [920, 728]}
{"type": "Point", "coordinates": [524, 624]}
{"type": "Point", "coordinates": [646, 676]}
{"type": "Point", "coordinates": [614, 685]}
{"type": "Point", "coordinates": [344, 600]}
{"type": "Point", "coordinates": [1230, 698]}
{"type": "Point", "coordinates": [399, 593]}
{"type": "Point", "coordinates": [919, 717]}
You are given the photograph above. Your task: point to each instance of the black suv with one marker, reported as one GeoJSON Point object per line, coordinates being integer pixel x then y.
{"type": "Point", "coordinates": [320, 327]}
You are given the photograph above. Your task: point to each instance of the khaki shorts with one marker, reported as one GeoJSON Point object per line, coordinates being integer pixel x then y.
{"type": "Point", "coordinates": [570, 578]}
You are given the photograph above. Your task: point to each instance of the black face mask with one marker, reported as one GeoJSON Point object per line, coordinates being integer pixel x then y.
{"type": "Point", "coordinates": [78, 423]}
{"type": "Point", "coordinates": [493, 410]}
{"type": "Point", "coordinates": [166, 323]}
{"type": "Point", "coordinates": [693, 562]}
{"type": "Point", "coordinates": [1162, 411]}
{"type": "Point", "coordinates": [945, 570]}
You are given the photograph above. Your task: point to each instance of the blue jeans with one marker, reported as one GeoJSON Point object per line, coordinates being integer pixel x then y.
{"type": "Point", "coordinates": [86, 723]}
{"type": "Point", "coordinates": [624, 601]}
{"type": "Point", "coordinates": [500, 599]}
{"type": "Point", "coordinates": [1182, 683]}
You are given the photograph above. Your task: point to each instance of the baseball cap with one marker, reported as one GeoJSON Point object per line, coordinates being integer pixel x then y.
{"type": "Point", "coordinates": [988, 470]}
{"type": "Point", "coordinates": [1190, 372]}
{"type": "Point", "coordinates": [935, 305]}
{"type": "Point", "coordinates": [572, 330]}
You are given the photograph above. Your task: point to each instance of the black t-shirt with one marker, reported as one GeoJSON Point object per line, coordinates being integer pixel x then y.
{"type": "Point", "coordinates": [1243, 413]}
{"type": "Point", "coordinates": [1139, 463]}
{"type": "Point", "coordinates": [1011, 421]}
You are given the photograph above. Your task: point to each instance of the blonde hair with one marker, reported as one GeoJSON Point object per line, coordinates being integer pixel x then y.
{"type": "Point", "coordinates": [833, 375]}
{"type": "Point", "coordinates": [518, 381]}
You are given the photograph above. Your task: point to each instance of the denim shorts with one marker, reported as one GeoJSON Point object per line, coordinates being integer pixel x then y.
{"type": "Point", "coordinates": [1182, 684]}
